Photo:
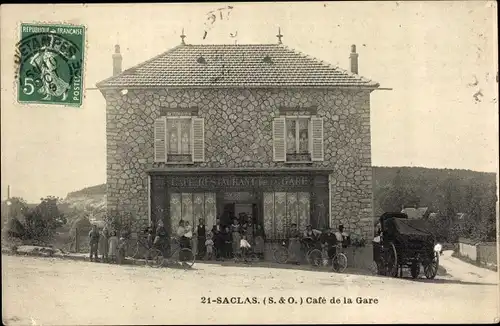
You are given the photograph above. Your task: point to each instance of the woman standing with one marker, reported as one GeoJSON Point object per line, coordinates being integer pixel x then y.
{"type": "Point", "coordinates": [260, 239]}
{"type": "Point", "coordinates": [113, 246]}
{"type": "Point", "coordinates": [235, 231]}
{"type": "Point", "coordinates": [294, 252]}
{"type": "Point", "coordinates": [103, 244]}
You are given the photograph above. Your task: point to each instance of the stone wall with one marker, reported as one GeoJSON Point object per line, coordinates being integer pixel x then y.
{"type": "Point", "coordinates": [238, 133]}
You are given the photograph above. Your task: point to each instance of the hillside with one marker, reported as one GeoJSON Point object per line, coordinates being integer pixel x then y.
{"type": "Point", "coordinates": [89, 191]}
{"type": "Point", "coordinates": [426, 184]}
{"type": "Point", "coordinates": [90, 199]}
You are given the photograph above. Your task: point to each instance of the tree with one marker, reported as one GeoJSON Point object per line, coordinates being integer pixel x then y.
{"type": "Point", "coordinates": [42, 221]}
{"type": "Point", "coordinates": [16, 208]}
{"type": "Point", "coordinates": [399, 193]}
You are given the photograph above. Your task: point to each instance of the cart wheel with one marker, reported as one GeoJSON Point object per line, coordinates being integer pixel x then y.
{"type": "Point", "coordinates": [339, 262]}
{"type": "Point", "coordinates": [415, 269]}
{"type": "Point", "coordinates": [280, 255]}
{"type": "Point", "coordinates": [392, 261]}
{"type": "Point", "coordinates": [431, 268]}
{"type": "Point", "coordinates": [154, 258]}
{"type": "Point", "coordinates": [315, 257]}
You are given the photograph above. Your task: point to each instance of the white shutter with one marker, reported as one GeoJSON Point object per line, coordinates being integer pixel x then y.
{"type": "Point", "coordinates": [279, 145]}
{"type": "Point", "coordinates": [317, 152]}
{"type": "Point", "coordinates": [198, 139]}
{"type": "Point", "coordinates": [160, 139]}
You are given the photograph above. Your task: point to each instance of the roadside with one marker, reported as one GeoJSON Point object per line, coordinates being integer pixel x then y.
{"type": "Point", "coordinates": [459, 269]}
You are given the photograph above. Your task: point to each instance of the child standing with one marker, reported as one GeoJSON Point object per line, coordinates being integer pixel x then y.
{"type": "Point", "coordinates": [244, 247]}
{"type": "Point", "coordinates": [113, 246]}
{"type": "Point", "coordinates": [209, 244]}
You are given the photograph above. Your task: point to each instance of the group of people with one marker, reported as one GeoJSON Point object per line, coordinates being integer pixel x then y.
{"type": "Point", "coordinates": [233, 240]}
{"type": "Point", "coordinates": [107, 244]}
{"type": "Point", "coordinates": [327, 241]}
{"type": "Point", "coordinates": [220, 242]}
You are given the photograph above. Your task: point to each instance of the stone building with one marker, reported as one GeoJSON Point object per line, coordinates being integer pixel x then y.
{"type": "Point", "coordinates": [207, 131]}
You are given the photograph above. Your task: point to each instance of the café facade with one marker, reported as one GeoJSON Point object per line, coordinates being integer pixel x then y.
{"type": "Point", "coordinates": [210, 131]}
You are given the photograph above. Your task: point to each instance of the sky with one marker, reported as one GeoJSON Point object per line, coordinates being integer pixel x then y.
{"type": "Point", "coordinates": [428, 53]}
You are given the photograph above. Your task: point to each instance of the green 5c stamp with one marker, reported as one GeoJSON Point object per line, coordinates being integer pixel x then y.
{"type": "Point", "coordinates": [50, 62]}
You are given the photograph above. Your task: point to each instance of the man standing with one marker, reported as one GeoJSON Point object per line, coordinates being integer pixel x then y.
{"type": "Point", "coordinates": [218, 239]}
{"type": "Point", "coordinates": [329, 240]}
{"type": "Point", "coordinates": [342, 236]}
{"type": "Point", "coordinates": [201, 236]}
{"type": "Point", "coordinates": [94, 242]}
{"type": "Point", "coordinates": [161, 239]}
{"type": "Point", "coordinates": [103, 244]}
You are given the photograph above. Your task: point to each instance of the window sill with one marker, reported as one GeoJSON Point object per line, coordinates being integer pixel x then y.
{"type": "Point", "coordinates": [179, 163]}
{"type": "Point", "coordinates": [298, 162]}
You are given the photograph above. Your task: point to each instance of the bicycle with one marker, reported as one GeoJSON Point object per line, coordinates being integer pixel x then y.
{"type": "Point", "coordinates": [339, 260]}
{"type": "Point", "coordinates": [142, 242]}
{"type": "Point", "coordinates": [246, 256]}
{"type": "Point", "coordinates": [281, 253]}
{"type": "Point", "coordinates": [173, 252]}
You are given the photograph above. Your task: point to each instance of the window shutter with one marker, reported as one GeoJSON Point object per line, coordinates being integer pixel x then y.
{"type": "Point", "coordinates": [279, 145]}
{"type": "Point", "coordinates": [160, 139]}
{"type": "Point", "coordinates": [317, 152]}
{"type": "Point", "coordinates": [198, 139]}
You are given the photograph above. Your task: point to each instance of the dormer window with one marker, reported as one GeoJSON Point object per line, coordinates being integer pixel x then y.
{"type": "Point", "coordinates": [267, 59]}
{"type": "Point", "coordinates": [201, 60]}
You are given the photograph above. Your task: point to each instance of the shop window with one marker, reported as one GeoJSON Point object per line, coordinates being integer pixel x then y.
{"type": "Point", "coordinates": [191, 207]}
{"type": "Point", "coordinates": [281, 209]}
{"type": "Point", "coordinates": [179, 139]}
{"type": "Point", "coordinates": [298, 139]}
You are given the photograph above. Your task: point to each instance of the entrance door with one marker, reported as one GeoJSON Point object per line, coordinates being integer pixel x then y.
{"type": "Point", "coordinates": [236, 203]}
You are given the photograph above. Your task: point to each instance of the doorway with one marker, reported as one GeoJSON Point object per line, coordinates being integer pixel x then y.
{"type": "Point", "coordinates": [236, 204]}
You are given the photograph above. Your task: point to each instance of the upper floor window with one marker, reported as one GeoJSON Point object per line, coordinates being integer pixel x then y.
{"type": "Point", "coordinates": [298, 139]}
{"type": "Point", "coordinates": [179, 139]}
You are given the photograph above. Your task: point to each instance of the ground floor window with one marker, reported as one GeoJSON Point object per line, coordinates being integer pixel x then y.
{"type": "Point", "coordinates": [281, 209]}
{"type": "Point", "coordinates": [191, 207]}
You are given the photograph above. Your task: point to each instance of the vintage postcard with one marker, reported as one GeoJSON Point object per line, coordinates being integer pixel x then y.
{"type": "Point", "coordinates": [250, 163]}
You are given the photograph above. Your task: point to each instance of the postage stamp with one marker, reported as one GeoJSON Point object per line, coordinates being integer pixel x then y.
{"type": "Point", "coordinates": [50, 59]}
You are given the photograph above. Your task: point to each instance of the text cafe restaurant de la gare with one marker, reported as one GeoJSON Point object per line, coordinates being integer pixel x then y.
{"type": "Point", "coordinates": [289, 145]}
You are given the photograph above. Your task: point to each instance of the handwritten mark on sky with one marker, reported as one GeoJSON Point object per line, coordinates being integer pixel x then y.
{"type": "Point", "coordinates": [211, 18]}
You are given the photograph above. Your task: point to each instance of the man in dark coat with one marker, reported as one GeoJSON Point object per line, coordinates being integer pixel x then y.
{"type": "Point", "coordinates": [94, 242]}
{"type": "Point", "coordinates": [201, 236]}
{"type": "Point", "coordinates": [218, 240]}
{"type": "Point", "coordinates": [329, 239]}
{"type": "Point", "coordinates": [161, 239]}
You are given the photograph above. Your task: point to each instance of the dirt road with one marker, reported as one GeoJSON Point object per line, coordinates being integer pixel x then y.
{"type": "Point", "coordinates": [44, 291]}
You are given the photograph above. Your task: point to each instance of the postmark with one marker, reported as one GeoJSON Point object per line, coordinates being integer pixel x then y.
{"type": "Point", "coordinates": [50, 64]}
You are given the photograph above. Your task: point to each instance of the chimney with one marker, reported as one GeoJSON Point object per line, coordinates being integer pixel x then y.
{"type": "Point", "coordinates": [354, 60]}
{"type": "Point", "coordinates": [117, 61]}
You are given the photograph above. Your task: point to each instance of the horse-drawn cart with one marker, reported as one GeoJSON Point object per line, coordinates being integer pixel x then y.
{"type": "Point", "coordinates": [405, 243]}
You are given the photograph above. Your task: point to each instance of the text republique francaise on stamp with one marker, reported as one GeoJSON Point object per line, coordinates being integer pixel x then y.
{"type": "Point", "coordinates": [50, 64]}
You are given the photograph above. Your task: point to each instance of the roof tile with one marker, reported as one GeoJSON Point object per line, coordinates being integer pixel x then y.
{"type": "Point", "coordinates": [236, 65]}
